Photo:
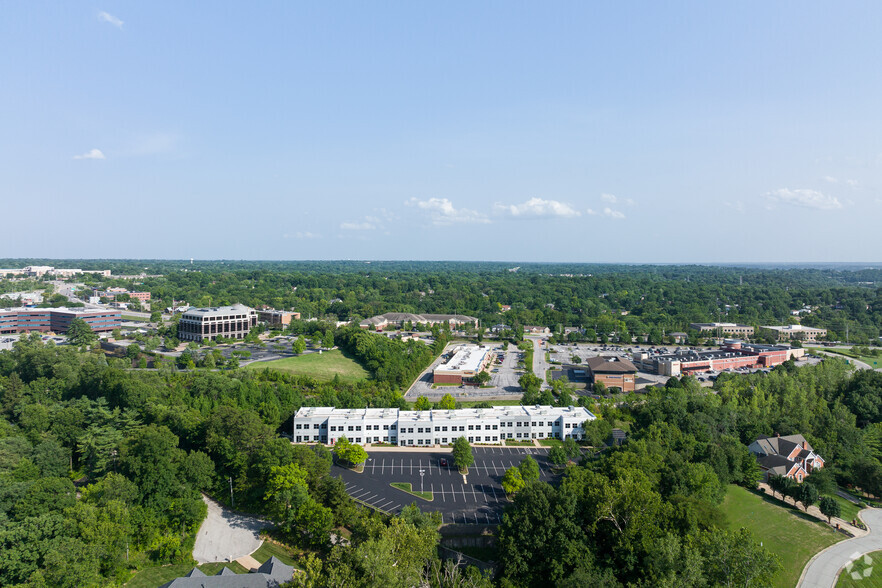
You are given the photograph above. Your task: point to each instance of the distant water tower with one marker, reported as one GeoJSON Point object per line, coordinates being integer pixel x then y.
{"type": "Point", "coordinates": [191, 261]}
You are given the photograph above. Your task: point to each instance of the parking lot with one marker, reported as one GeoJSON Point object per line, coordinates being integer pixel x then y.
{"type": "Point", "coordinates": [503, 381]}
{"type": "Point", "coordinates": [477, 500]}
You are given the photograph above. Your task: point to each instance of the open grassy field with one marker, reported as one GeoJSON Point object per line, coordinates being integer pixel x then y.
{"type": "Point", "coordinates": [153, 577]}
{"type": "Point", "coordinates": [853, 576]}
{"type": "Point", "coordinates": [322, 366]}
{"type": "Point", "coordinates": [784, 530]}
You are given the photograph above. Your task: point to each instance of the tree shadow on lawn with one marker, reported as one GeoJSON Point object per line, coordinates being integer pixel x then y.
{"type": "Point", "coordinates": [770, 499]}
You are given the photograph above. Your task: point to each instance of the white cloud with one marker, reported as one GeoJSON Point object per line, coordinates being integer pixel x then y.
{"type": "Point", "coordinates": [301, 235]}
{"type": "Point", "coordinates": [537, 207]}
{"type": "Point", "coordinates": [611, 198]}
{"type": "Point", "coordinates": [613, 213]}
{"type": "Point", "coordinates": [830, 179]}
{"type": "Point", "coordinates": [92, 154]}
{"type": "Point", "coordinates": [852, 183]}
{"type": "Point", "coordinates": [107, 17]}
{"type": "Point", "coordinates": [442, 211]}
{"type": "Point", "coordinates": [805, 198]}
{"type": "Point", "coordinates": [607, 211]}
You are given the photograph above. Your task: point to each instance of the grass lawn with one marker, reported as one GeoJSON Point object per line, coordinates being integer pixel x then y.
{"type": "Point", "coordinates": [134, 319]}
{"type": "Point", "coordinates": [849, 509]}
{"type": "Point", "coordinates": [406, 487]}
{"type": "Point", "coordinates": [852, 577]}
{"type": "Point", "coordinates": [515, 443]}
{"type": "Point", "coordinates": [267, 550]}
{"type": "Point", "coordinates": [322, 366]}
{"type": "Point", "coordinates": [784, 530]}
{"type": "Point", "coordinates": [550, 442]}
{"type": "Point", "coordinates": [153, 577]}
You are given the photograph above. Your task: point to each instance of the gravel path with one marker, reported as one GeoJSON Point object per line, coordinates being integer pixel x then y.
{"type": "Point", "coordinates": [226, 535]}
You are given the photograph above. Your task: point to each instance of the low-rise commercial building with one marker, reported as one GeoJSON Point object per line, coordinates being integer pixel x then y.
{"type": "Point", "coordinates": [613, 372]}
{"type": "Point", "coordinates": [466, 362]}
{"type": "Point", "coordinates": [729, 329]}
{"type": "Point", "coordinates": [277, 318]}
{"type": "Point", "coordinates": [396, 320]}
{"type": "Point", "coordinates": [438, 427]}
{"type": "Point", "coordinates": [56, 320]}
{"type": "Point", "coordinates": [207, 324]}
{"type": "Point", "coordinates": [798, 332]}
{"type": "Point", "coordinates": [731, 355]}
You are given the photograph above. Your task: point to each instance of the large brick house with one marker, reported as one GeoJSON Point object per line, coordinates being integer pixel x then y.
{"type": "Point", "coordinates": [790, 456]}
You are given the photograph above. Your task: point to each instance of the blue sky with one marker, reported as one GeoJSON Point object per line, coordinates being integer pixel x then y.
{"type": "Point", "coordinates": [567, 131]}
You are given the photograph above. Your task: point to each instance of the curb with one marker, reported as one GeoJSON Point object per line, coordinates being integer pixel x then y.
{"type": "Point", "coordinates": [829, 547]}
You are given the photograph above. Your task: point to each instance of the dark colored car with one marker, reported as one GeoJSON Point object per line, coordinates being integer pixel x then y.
{"type": "Point", "coordinates": [442, 462]}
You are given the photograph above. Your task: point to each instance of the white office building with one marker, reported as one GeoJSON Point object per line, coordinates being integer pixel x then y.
{"type": "Point", "coordinates": [414, 428]}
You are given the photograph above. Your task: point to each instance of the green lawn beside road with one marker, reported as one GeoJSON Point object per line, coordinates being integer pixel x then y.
{"type": "Point", "coordinates": [322, 366]}
{"type": "Point", "coordinates": [864, 572]}
{"type": "Point", "coordinates": [784, 530]}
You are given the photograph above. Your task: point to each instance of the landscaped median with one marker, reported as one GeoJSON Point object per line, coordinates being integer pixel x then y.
{"type": "Point", "coordinates": [407, 487]}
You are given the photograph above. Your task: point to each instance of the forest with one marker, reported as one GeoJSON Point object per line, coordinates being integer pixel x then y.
{"type": "Point", "coordinates": [623, 299]}
{"type": "Point", "coordinates": [101, 468]}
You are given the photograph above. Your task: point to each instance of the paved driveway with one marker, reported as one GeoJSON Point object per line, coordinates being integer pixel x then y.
{"type": "Point", "coordinates": [226, 535]}
{"type": "Point", "coordinates": [822, 570]}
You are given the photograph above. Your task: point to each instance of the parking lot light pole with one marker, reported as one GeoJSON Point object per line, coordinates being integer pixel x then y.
{"type": "Point", "coordinates": [422, 473]}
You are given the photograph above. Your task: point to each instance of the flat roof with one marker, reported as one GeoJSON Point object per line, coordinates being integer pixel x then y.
{"type": "Point", "coordinates": [220, 310]}
{"type": "Point", "coordinates": [442, 414]}
{"type": "Point", "coordinates": [468, 358]}
{"type": "Point", "coordinates": [799, 328]}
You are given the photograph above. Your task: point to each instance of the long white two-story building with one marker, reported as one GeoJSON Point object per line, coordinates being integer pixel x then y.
{"type": "Point", "coordinates": [438, 427]}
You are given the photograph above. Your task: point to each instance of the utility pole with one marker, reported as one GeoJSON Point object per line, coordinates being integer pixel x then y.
{"type": "Point", "coordinates": [232, 500]}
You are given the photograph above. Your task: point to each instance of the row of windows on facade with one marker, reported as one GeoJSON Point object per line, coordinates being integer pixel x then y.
{"type": "Point", "coordinates": [442, 440]}
{"type": "Point", "coordinates": [214, 318]}
{"type": "Point", "coordinates": [437, 428]}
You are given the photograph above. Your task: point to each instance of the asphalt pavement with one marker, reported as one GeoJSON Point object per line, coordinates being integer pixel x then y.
{"type": "Point", "coordinates": [477, 499]}
{"type": "Point", "coordinates": [226, 535]}
{"type": "Point", "coordinates": [823, 569]}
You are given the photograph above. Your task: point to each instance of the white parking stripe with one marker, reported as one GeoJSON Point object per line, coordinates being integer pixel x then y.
{"type": "Point", "coordinates": [453, 493]}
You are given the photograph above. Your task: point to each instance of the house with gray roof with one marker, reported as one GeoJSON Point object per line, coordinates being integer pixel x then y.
{"type": "Point", "coordinates": [271, 574]}
{"type": "Point", "coordinates": [790, 456]}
